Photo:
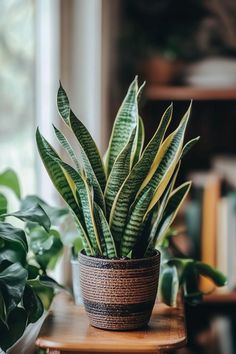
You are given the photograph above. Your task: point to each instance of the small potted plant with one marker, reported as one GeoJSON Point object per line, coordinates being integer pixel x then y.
{"type": "Point", "coordinates": [122, 205]}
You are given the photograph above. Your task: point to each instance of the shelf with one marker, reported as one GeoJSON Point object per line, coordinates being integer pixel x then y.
{"type": "Point", "coordinates": [183, 93]}
{"type": "Point", "coordinates": [220, 297]}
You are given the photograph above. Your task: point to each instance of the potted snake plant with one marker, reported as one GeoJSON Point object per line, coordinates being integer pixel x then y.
{"type": "Point", "coordinates": [122, 205]}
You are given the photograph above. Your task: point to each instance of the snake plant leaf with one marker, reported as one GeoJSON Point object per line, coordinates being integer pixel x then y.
{"type": "Point", "coordinates": [175, 201]}
{"type": "Point", "coordinates": [189, 145]}
{"type": "Point", "coordinates": [35, 214]}
{"type": "Point", "coordinates": [119, 172]}
{"type": "Point", "coordinates": [166, 161]}
{"type": "Point", "coordinates": [55, 172]}
{"type": "Point", "coordinates": [105, 232]}
{"type": "Point", "coordinates": [67, 191]}
{"type": "Point", "coordinates": [66, 145]}
{"type": "Point", "coordinates": [140, 91]}
{"type": "Point", "coordinates": [63, 104]}
{"type": "Point", "coordinates": [87, 246]}
{"type": "Point", "coordinates": [131, 185]}
{"type": "Point", "coordinates": [12, 283]}
{"type": "Point", "coordinates": [126, 120]}
{"type": "Point", "coordinates": [169, 285]}
{"type": "Point", "coordinates": [215, 275]}
{"type": "Point", "coordinates": [89, 151]}
{"type": "Point", "coordinates": [10, 180]}
{"type": "Point", "coordinates": [85, 198]}
{"type": "Point", "coordinates": [135, 223]}
{"type": "Point", "coordinates": [160, 210]}
{"type": "Point", "coordinates": [140, 141]}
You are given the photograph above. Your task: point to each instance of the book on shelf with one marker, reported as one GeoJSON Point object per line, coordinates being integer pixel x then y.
{"type": "Point", "coordinates": [211, 218]}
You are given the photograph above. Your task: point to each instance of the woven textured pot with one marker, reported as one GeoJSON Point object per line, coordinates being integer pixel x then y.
{"type": "Point", "coordinates": [119, 294]}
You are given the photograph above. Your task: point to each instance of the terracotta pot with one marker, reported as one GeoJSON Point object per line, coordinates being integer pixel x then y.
{"type": "Point", "coordinates": [119, 294]}
{"type": "Point", "coordinates": [161, 71]}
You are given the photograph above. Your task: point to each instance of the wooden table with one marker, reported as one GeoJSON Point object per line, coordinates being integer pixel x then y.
{"type": "Point", "coordinates": [67, 330]}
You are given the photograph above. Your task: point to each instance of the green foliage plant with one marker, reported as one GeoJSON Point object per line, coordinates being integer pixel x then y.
{"type": "Point", "coordinates": [123, 204]}
{"type": "Point", "coordinates": [26, 254]}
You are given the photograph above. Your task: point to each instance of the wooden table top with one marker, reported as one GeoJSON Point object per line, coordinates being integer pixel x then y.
{"type": "Point", "coordinates": [67, 329]}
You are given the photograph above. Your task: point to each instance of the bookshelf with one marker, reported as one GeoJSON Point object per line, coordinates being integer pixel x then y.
{"type": "Point", "coordinates": [209, 121]}
{"type": "Point", "coordinates": [182, 93]}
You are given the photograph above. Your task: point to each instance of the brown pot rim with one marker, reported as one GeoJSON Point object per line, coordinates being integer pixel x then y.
{"type": "Point", "coordinates": [120, 260]}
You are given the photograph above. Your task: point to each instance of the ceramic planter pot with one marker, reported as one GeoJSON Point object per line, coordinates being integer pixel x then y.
{"type": "Point", "coordinates": [158, 70]}
{"type": "Point", "coordinates": [119, 294]}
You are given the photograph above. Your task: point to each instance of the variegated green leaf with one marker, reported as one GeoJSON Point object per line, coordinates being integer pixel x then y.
{"type": "Point", "coordinates": [126, 120]}
{"type": "Point", "coordinates": [161, 208]}
{"type": "Point", "coordinates": [55, 172]}
{"type": "Point", "coordinates": [63, 104]}
{"type": "Point", "coordinates": [166, 161]}
{"type": "Point", "coordinates": [131, 185]}
{"type": "Point", "coordinates": [140, 90]}
{"type": "Point", "coordinates": [119, 172]}
{"type": "Point", "coordinates": [135, 223]}
{"type": "Point", "coordinates": [139, 142]}
{"type": "Point", "coordinates": [84, 238]}
{"type": "Point", "coordinates": [91, 158]}
{"type": "Point", "coordinates": [85, 199]}
{"type": "Point", "coordinates": [188, 146]}
{"type": "Point", "coordinates": [48, 156]}
{"type": "Point", "coordinates": [66, 145]}
{"type": "Point", "coordinates": [165, 197]}
{"type": "Point", "coordinates": [105, 233]}
{"type": "Point", "coordinates": [174, 203]}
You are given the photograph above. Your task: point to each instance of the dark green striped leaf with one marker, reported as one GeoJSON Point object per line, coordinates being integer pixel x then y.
{"type": "Point", "coordinates": [189, 145]}
{"type": "Point", "coordinates": [126, 120]}
{"type": "Point", "coordinates": [68, 193]}
{"type": "Point", "coordinates": [63, 104]}
{"type": "Point", "coordinates": [159, 213]}
{"type": "Point", "coordinates": [87, 246]}
{"type": "Point", "coordinates": [119, 172]}
{"type": "Point", "coordinates": [90, 155]}
{"type": "Point", "coordinates": [139, 141]}
{"type": "Point", "coordinates": [166, 161]}
{"type": "Point", "coordinates": [66, 145]}
{"type": "Point", "coordinates": [85, 199]}
{"type": "Point", "coordinates": [140, 90]}
{"type": "Point", "coordinates": [105, 233]}
{"type": "Point", "coordinates": [55, 172]}
{"type": "Point", "coordinates": [127, 192]}
{"type": "Point", "coordinates": [173, 205]}
{"type": "Point", "coordinates": [135, 223]}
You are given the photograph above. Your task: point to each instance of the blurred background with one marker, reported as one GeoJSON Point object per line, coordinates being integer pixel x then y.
{"type": "Point", "coordinates": [184, 50]}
